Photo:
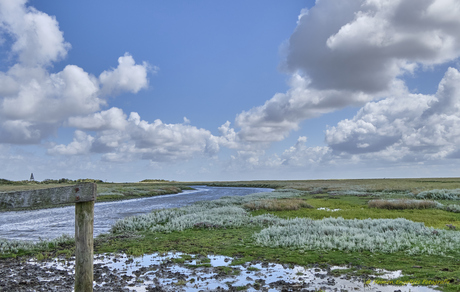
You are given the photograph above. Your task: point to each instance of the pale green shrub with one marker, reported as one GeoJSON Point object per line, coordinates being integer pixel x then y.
{"type": "Point", "coordinates": [190, 217]}
{"type": "Point", "coordinates": [145, 221]}
{"type": "Point", "coordinates": [440, 194]}
{"type": "Point", "coordinates": [375, 235]}
{"type": "Point", "coordinates": [223, 212]}
{"type": "Point", "coordinates": [452, 208]}
{"type": "Point", "coordinates": [14, 246]}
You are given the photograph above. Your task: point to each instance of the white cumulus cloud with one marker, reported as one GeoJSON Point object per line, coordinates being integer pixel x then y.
{"type": "Point", "coordinates": [81, 144]}
{"type": "Point", "coordinates": [128, 76]}
{"type": "Point", "coordinates": [351, 52]}
{"type": "Point", "coordinates": [411, 126]}
{"type": "Point", "coordinates": [38, 40]}
{"type": "Point", "coordinates": [121, 138]}
{"type": "Point", "coordinates": [34, 103]}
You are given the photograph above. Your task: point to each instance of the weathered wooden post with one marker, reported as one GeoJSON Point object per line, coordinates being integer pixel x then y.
{"type": "Point", "coordinates": [84, 219]}
{"type": "Point", "coordinates": [84, 225]}
{"type": "Point", "coordinates": [84, 196]}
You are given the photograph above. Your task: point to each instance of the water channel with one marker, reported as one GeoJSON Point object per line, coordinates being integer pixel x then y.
{"type": "Point", "coordinates": [50, 223]}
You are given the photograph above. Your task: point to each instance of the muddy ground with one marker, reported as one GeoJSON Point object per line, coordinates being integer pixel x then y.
{"type": "Point", "coordinates": [121, 273]}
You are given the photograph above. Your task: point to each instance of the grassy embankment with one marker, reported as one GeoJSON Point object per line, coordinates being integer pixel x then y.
{"type": "Point", "coordinates": [264, 228]}
{"type": "Point", "coordinates": [124, 191]}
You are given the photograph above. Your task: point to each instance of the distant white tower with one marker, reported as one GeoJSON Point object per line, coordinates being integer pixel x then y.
{"type": "Point", "coordinates": [32, 177]}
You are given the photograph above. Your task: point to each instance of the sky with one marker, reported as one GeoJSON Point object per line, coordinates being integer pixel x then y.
{"type": "Point", "coordinates": [229, 90]}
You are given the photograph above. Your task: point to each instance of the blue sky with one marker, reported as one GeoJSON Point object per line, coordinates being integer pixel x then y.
{"type": "Point", "coordinates": [229, 90]}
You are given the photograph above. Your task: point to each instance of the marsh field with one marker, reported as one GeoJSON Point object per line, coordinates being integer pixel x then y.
{"type": "Point", "coordinates": [407, 225]}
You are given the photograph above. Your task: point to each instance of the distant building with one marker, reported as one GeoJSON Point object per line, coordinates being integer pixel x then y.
{"type": "Point", "coordinates": [32, 177]}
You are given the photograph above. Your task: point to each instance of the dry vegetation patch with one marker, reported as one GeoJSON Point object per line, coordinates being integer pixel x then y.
{"type": "Point", "coordinates": [400, 204]}
{"type": "Point", "coordinates": [277, 205]}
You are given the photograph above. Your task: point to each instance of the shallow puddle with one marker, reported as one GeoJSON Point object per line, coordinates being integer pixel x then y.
{"type": "Point", "coordinates": [181, 272]}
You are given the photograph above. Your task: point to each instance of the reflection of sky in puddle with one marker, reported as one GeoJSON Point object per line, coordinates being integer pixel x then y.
{"type": "Point", "coordinates": [180, 277]}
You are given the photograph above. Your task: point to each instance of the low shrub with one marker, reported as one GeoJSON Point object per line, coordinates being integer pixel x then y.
{"type": "Point", "coordinates": [437, 194]}
{"type": "Point", "coordinates": [375, 235]}
{"type": "Point", "coordinates": [14, 246]}
{"type": "Point", "coordinates": [400, 204]}
{"type": "Point", "coordinates": [225, 212]}
{"type": "Point", "coordinates": [452, 208]}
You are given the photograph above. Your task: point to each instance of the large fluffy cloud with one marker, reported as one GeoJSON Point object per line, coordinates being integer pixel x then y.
{"type": "Point", "coordinates": [38, 40]}
{"type": "Point", "coordinates": [362, 45]}
{"type": "Point", "coordinates": [278, 116]}
{"type": "Point", "coordinates": [35, 102]}
{"type": "Point", "coordinates": [350, 52]}
{"type": "Point", "coordinates": [80, 145]}
{"type": "Point", "coordinates": [409, 127]}
{"type": "Point", "coordinates": [302, 155]}
{"type": "Point", "coordinates": [121, 138]}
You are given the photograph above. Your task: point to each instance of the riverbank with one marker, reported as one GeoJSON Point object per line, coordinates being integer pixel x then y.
{"type": "Point", "coordinates": [37, 225]}
{"type": "Point", "coordinates": [126, 191]}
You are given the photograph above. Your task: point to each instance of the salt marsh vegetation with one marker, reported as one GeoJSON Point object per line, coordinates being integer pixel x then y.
{"type": "Point", "coordinates": [226, 212]}
{"type": "Point", "coordinates": [399, 204]}
{"type": "Point", "coordinates": [17, 246]}
{"type": "Point", "coordinates": [452, 208]}
{"type": "Point", "coordinates": [375, 235]}
{"type": "Point", "coordinates": [409, 225]}
{"type": "Point", "coordinates": [439, 194]}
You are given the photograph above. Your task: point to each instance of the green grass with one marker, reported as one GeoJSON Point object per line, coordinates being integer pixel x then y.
{"type": "Point", "coordinates": [229, 270]}
{"type": "Point", "coordinates": [178, 260]}
{"type": "Point", "coordinates": [277, 204]}
{"type": "Point", "coordinates": [198, 266]}
{"type": "Point", "coordinates": [414, 185]}
{"type": "Point", "coordinates": [125, 191]}
{"type": "Point", "coordinates": [352, 207]}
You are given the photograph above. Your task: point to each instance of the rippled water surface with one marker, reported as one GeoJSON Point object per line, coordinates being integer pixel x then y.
{"type": "Point", "coordinates": [51, 223]}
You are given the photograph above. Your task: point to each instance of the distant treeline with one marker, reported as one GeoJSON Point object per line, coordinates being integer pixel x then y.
{"type": "Point", "coordinates": [156, 180]}
{"type": "Point", "coordinates": [49, 181]}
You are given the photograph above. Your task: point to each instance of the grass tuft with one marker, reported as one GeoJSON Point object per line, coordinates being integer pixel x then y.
{"type": "Point", "coordinates": [401, 204]}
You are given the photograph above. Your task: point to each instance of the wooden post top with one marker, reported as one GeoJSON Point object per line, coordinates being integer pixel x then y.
{"type": "Point", "coordinates": [85, 192]}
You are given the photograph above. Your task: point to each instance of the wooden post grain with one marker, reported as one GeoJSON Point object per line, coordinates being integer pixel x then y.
{"type": "Point", "coordinates": [84, 219]}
